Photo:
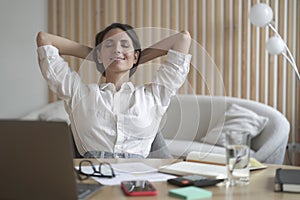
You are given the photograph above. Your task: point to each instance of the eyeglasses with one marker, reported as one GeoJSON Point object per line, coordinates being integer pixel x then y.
{"type": "Point", "coordinates": [88, 169]}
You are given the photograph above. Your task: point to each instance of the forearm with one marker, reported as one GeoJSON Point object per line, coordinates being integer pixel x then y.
{"type": "Point", "coordinates": [179, 42]}
{"type": "Point", "coordinates": [64, 45]}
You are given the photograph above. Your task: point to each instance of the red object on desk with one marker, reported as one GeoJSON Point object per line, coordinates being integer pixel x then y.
{"type": "Point", "coordinates": [138, 188]}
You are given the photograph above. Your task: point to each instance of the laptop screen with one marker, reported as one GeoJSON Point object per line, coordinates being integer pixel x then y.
{"type": "Point", "coordinates": [37, 160]}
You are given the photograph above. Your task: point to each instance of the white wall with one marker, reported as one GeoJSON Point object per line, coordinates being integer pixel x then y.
{"type": "Point", "coordinates": [22, 87]}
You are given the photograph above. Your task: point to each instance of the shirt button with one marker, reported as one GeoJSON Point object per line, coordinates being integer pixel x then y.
{"type": "Point", "coordinates": [51, 58]}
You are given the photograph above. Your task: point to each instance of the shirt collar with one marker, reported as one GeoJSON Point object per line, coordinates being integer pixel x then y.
{"type": "Point", "coordinates": [110, 86]}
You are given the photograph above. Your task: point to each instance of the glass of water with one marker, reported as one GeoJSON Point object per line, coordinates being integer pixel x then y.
{"type": "Point", "coordinates": [237, 157]}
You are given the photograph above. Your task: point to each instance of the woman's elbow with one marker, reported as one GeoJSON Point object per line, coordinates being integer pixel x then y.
{"type": "Point", "coordinates": [186, 37]}
{"type": "Point", "coordinates": [183, 42]}
{"type": "Point", "coordinates": [41, 39]}
{"type": "Point", "coordinates": [186, 34]}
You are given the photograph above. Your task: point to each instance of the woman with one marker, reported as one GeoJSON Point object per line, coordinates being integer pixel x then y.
{"type": "Point", "coordinates": [115, 119]}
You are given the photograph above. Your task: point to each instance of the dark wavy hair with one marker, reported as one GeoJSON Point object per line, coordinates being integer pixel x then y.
{"type": "Point", "coordinates": [133, 36]}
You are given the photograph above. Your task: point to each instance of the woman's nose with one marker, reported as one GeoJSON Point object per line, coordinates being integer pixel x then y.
{"type": "Point", "coordinates": [117, 48]}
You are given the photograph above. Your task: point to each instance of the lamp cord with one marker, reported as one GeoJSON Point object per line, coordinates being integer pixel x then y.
{"type": "Point", "coordinates": [289, 57]}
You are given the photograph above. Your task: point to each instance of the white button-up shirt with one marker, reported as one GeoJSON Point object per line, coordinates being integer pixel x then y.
{"type": "Point", "coordinates": [103, 119]}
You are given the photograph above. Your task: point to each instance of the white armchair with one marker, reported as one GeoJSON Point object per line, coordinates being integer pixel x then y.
{"type": "Point", "coordinates": [190, 117]}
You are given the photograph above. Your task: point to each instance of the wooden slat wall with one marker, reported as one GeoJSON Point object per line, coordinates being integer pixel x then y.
{"type": "Point", "coordinates": [236, 63]}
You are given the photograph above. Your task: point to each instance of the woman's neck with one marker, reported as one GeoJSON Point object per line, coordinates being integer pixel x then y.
{"type": "Point", "coordinates": [117, 79]}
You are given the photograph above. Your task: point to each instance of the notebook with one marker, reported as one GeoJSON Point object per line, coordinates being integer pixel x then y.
{"type": "Point", "coordinates": [37, 162]}
{"type": "Point", "coordinates": [287, 180]}
{"type": "Point", "coordinates": [188, 168]}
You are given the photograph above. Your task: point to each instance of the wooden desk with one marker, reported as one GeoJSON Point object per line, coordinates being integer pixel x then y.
{"type": "Point", "coordinates": [260, 187]}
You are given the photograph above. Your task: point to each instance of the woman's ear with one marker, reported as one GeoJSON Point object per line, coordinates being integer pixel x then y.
{"type": "Point", "coordinates": [136, 56]}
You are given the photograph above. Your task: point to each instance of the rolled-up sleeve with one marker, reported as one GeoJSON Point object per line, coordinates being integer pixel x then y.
{"type": "Point", "coordinates": [57, 73]}
{"type": "Point", "coordinates": [174, 70]}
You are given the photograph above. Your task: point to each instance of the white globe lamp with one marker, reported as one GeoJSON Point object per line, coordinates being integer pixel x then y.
{"type": "Point", "coordinates": [275, 45]}
{"type": "Point", "coordinates": [261, 15]}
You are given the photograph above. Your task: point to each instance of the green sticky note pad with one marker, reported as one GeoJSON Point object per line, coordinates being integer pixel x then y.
{"type": "Point", "coordinates": [190, 192]}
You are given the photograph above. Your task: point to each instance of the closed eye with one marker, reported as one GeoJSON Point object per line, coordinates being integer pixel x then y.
{"type": "Point", "coordinates": [125, 43]}
{"type": "Point", "coordinates": [109, 43]}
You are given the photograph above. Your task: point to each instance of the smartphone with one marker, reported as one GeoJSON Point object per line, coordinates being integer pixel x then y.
{"type": "Point", "coordinates": [194, 180]}
{"type": "Point", "coordinates": [138, 188]}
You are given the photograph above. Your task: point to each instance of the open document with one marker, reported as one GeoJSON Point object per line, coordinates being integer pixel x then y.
{"type": "Point", "coordinates": [205, 164]}
{"type": "Point", "coordinates": [218, 159]}
{"type": "Point", "coordinates": [133, 171]}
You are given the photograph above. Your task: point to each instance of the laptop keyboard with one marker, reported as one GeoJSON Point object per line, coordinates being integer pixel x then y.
{"type": "Point", "coordinates": [85, 190]}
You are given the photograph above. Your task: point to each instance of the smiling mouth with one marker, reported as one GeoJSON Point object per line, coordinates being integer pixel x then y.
{"type": "Point", "coordinates": [117, 58]}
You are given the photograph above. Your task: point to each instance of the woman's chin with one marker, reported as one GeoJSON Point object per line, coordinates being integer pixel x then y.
{"type": "Point", "coordinates": [114, 69]}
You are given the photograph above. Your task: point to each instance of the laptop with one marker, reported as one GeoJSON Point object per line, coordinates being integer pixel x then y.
{"type": "Point", "coordinates": [37, 162]}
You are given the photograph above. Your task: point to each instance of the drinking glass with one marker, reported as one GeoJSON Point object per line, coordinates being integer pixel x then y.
{"type": "Point", "coordinates": [237, 157]}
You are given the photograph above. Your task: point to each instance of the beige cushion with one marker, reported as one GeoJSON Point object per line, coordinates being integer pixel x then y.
{"type": "Point", "coordinates": [235, 118]}
{"type": "Point", "coordinates": [54, 112]}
